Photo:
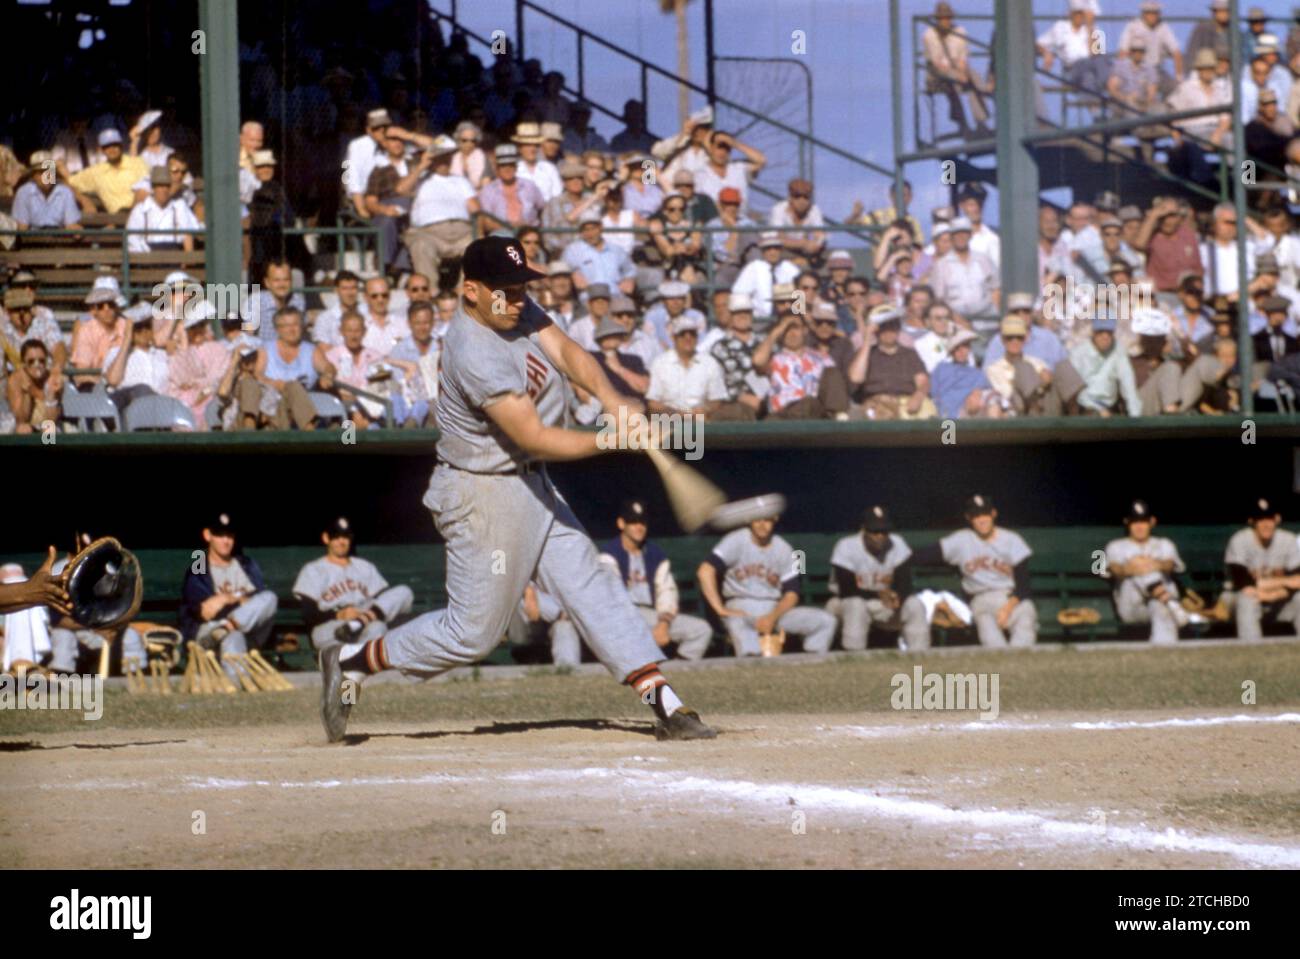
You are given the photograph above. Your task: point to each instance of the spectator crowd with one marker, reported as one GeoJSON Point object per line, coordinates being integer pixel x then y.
{"type": "Point", "coordinates": [658, 259]}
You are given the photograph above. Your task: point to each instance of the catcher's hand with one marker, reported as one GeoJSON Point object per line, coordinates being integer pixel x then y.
{"type": "Point", "coordinates": [47, 589]}
{"type": "Point", "coordinates": [104, 585]}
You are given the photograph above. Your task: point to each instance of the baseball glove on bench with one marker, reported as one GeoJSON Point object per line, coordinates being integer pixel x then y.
{"type": "Point", "coordinates": [1078, 616]}
{"type": "Point", "coordinates": [104, 585]}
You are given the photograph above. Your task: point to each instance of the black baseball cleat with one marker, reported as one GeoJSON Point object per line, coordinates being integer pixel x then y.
{"type": "Point", "coordinates": [333, 710]}
{"type": "Point", "coordinates": [685, 723]}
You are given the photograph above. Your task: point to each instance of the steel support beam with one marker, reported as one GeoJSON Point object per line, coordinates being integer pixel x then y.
{"type": "Point", "coordinates": [1245, 345]}
{"type": "Point", "coordinates": [1017, 171]}
{"type": "Point", "coordinates": [219, 108]}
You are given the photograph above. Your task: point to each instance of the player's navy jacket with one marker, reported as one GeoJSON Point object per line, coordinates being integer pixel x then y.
{"type": "Point", "coordinates": [654, 557]}
{"type": "Point", "coordinates": [198, 587]}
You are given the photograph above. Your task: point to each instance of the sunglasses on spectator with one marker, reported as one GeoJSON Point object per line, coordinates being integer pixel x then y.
{"type": "Point", "coordinates": [1015, 337]}
{"type": "Point", "coordinates": [417, 289]}
{"type": "Point", "coordinates": [824, 322]}
{"type": "Point", "coordinates": [377, 296]}
{"type": "Point", "coordinates": [675, 208]}
{"type": "Point", "coordinates": [102, 306]}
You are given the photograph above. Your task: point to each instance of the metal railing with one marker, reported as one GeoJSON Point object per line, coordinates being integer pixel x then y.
{"type": "Point", "coordinates": [646, 69]}
{"type": "Point", "coordinates": [106, 237]}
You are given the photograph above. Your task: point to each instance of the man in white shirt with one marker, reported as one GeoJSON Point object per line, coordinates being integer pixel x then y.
{"type": "Point", "coordinates": [721, 171]}
{"type": "Point", "coordinates": [160, 210]}
{"type": "Point", "coordinates": [983, 239]}
{"type": "Point", "coordinates": [798, 209]}
{"type": "Point", "coordinates": [367, 152]}
{"type": "Point", "coordinates": [932, 346]}
{"type": "Point", "coordinates": [1149, 33]}
{"type": "Point", "coordinates": [440, 213]}
{"type": "Point", "coordinates": [385, 328]}
{"type": "Point", "coordinates": [684, 380]}
{"type": "Point", "coordinates": [1078, 46]}
{"type": "Point", "coordinates": [689, 149]}
{"type": "Point", "coordinates": [534, 167]}
{"type": "Point", "coordinates": [759, 276]}
{"type": "Point", "coordinates": [1219, 254]}
{"type": "Point", "coordinates": [966, 280]}
{"type": "Point", "coordinates": [137, 368]}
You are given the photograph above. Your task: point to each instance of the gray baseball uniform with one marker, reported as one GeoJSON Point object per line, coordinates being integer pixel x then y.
{"type": "Point", "coordinates": [566, 646]}
{"type": "Point", "coordinates": [1132, 594]}
{"type": "Point", "coordinates": [873, 574]}
{"type": "Point", "coordinates": [1279, 557]}
{"type": "Point", "coordinates": [755, 579]}
{"type": "Point", "coordinates": [335, 586]}
{"type": "Point", "coordinates": [503, 520]}
{"type": "Point", "coordinates": [988, 577]}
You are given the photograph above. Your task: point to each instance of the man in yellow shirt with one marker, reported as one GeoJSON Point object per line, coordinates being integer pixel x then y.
{"type": "Point", "coordinates": [113, 180]}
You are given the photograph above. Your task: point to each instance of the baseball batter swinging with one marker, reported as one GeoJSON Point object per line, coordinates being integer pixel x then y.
{"type": "Point", "coordinates": [501, 398]}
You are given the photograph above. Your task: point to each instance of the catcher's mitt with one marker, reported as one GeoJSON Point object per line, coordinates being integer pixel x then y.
{"type": "Point", "coordinates": [1192, 602]}
{"type": "Point", "coordinates": [945, 618]}
{"type": "Point", "coordinates": [1078, 616]}
{"type": "Point", "coordinates": [771, 644]}
{"type": "Point", "coordinates": [104, 585]}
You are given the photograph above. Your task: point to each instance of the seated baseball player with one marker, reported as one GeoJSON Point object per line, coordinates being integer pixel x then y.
{"type": "Point", "coordinates": [224, 599]}
{"type": "Point", "coordinates": [872, 575]}
{"type": "Point", "coordinates": [760, 590]}
{"type": "Point", "coordinates": [1263, 564]}
{"type": "Point", "coordinates": [344, 597]}
{"type": "Point", "coordinates": [539, 609]}
{"type": "Point", "coordinates": [1141, 568]}
{"type": "Point", "coordinates": [994, 564]}
{"type": "Point", "coordinates": [646, 572]}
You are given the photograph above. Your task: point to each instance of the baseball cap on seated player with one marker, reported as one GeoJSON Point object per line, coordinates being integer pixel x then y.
{"type": "Point", "coordinates": [221, 525]}
{"type": "Point", "coordinates": [1138, 509]}
{"type": "Point", "coordinates": [979, 505]}
{"type": "Point", "coordinates": [876, 520]}
{"type": "Point", "coordinates": [497, 261]}
{"type": "Point", "coordinates": [1013, 326]}
{"type": "Point", "coordinates": [632, 511]}
{"type": "Point", "coordinates": [597, 291]}
{"type": "Point", "coordinates": [339, 527]}
{"type": "Point", "coordinates": [1261, 509]}
{"type": "Point", "coordinates": [740, 303]}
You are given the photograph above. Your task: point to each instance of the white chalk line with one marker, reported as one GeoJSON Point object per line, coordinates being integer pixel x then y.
{"type": "Point", "coordinates": [1028, 825]}
{"type": "Point", "coordinates": [981, 725]}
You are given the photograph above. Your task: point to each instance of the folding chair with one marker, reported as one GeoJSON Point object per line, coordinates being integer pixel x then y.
{"type": "Point", "coordinates": [162, 413]}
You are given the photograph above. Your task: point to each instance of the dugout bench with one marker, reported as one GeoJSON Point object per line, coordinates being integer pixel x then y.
{"type": "Point", "coordinates": [1061, 571]}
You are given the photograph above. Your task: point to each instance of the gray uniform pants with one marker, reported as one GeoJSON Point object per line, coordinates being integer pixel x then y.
{"type": "Point", "coordinates": [691, 634]}
{"type": "Point", "coordinates": [252, 620]}
{"type": "Point", "coordinates": [502, 531]}
{"type": "Point", "coordinates": [816, 626]}
{"type": "Point", "coordinates": [1022, 626]}
{"type": "Point", "coordinates": [1250, 612]}
{"type": "Point", "coordinates": [858, 614]}
{"type": "Point", "coordinates": [1134, 606]}
{"type": "Point", "coordinates": [392, 602]}
{"type": "Point", "coordinates": [64, 642]}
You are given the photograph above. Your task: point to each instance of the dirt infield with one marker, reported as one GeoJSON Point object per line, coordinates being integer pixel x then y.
{"type": "Point", "coordinates": [556, 771]}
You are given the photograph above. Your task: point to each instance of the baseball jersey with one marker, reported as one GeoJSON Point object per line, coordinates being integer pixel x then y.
{"type": "Point", "coordinates": [638, 586]}
{"type": "Point", "coordinates": [986, 564]}
{"type": "Point", "coordinates": [480, 365]}
{"type": "Point", "coordinates": [1125, 550]}
{"type": "Point", "coordinates": [1280, 555]}
{"type": "Point", "coordinates": [753, 571]}
{"type": "Point", "coordinates": [331, 586]}
{"type": "Point", "coordinates": [231, 580]}
{"type": "Point", "coordinates": [872, 574]}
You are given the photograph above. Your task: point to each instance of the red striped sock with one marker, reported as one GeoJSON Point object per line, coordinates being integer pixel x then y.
{"type": "Point", "coordinates": [653, 688]}
{"type": "Point", "coordinates": [370, 658]}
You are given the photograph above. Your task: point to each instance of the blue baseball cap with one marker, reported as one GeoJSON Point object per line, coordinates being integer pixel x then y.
{"type": "Point", "coordinates": [1103, 324]}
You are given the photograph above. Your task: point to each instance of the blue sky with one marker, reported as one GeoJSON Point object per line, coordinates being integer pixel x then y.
{"type": "Point", "coordinates": [847, 54]}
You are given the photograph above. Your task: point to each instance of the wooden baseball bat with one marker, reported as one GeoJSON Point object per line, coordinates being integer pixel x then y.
{"type": "Point", "coordinates": [692, 497]}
